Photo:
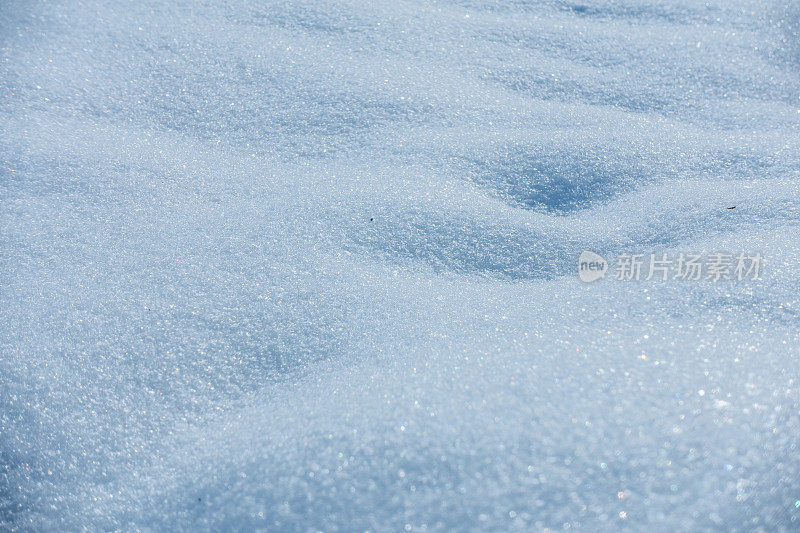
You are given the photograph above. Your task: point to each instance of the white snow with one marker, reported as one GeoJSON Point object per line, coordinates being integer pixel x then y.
{"type": "Point", "coordinates": [311, 265]}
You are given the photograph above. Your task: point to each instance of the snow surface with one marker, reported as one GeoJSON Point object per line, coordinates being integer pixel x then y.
{"type": "Point", "coordinates": [312, 265]}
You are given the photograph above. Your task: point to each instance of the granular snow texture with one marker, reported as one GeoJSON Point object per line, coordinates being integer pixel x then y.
{"type": "Point", "coordinates": [312, 265]}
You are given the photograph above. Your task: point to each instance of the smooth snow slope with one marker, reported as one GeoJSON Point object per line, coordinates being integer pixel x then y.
{"type": "Point", "coordinates": [311, 265]}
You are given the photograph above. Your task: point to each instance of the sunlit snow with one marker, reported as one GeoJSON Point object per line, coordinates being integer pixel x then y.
{"type": "Point", "coordinates": [311, 265]}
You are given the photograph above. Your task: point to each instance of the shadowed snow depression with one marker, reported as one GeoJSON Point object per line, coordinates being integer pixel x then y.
{"type": "Point", "coordinates": [314, 265]}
